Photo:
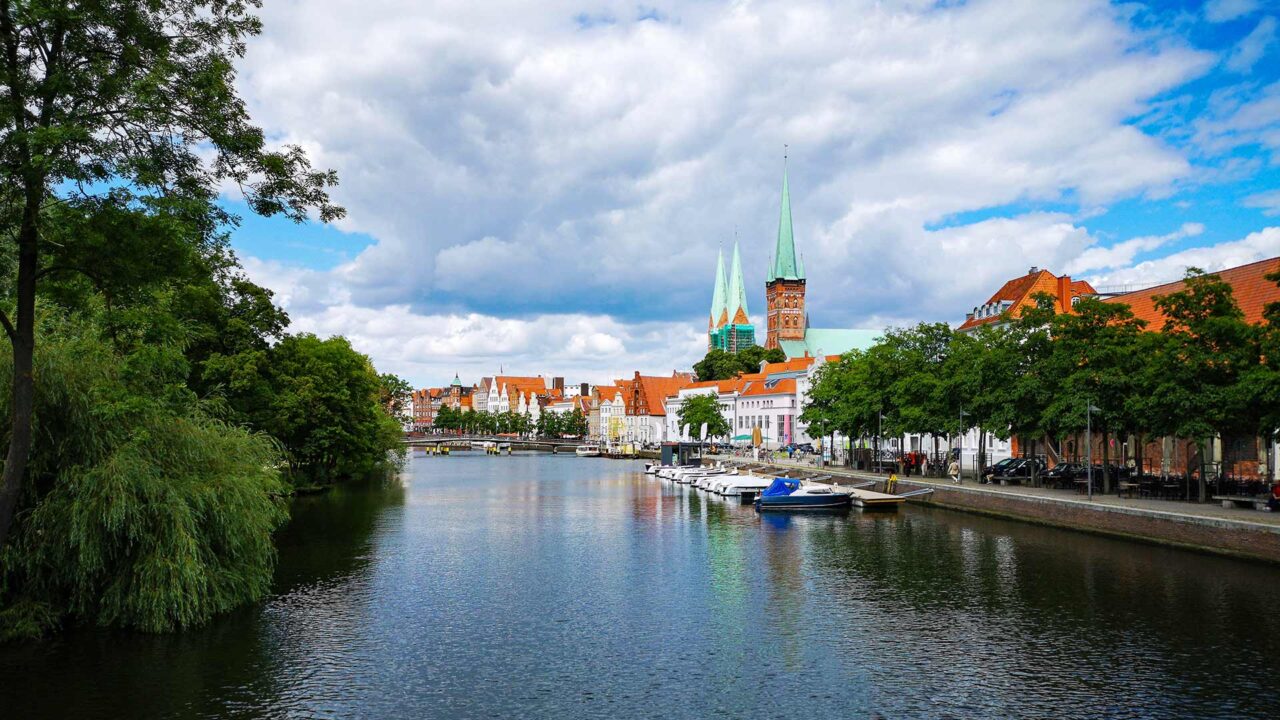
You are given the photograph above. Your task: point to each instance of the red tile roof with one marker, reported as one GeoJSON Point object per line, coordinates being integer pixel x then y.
{"type": "Point", "coordinates": [1249, 285]}
{"type": "Point", "coordinates": [653, 389]}
{"type": "Point", "coordinates": [776, 387]}
{"type": "Point", "coordinates": [1019, 293]}
{"type": "Point", "coordinates": [792, 365]}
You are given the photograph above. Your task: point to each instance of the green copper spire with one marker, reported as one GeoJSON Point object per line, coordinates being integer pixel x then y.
{"type": "Point", "coordinates": [737, 291]}
{"type": "Point", "coordinates": [785, 265]}
{"type": "Point", "coordinates": [719, 307]}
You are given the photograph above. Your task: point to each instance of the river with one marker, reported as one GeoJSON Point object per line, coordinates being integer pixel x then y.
{"type": "Point", "coordinates": [556, 586]}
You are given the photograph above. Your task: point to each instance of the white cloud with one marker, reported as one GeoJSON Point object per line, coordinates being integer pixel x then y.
{"type": "Point", "coordinates": [582, 348]}
{"type": "Point", "coordinates": [1269, 201]}
{"type": "Point", "coordinates": [1253, 247]}
{"type": "Point", "coordinates": [1218, 11]}
{"type": "Point", "coordinates": [1253, 46]}
{"type": "Point", "coordinates": [520, 170]}
{"type": "Point", "coordinates": [1123, 253]}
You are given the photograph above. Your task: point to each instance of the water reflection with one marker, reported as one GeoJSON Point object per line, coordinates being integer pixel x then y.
{"type": "Point", "coordinates": [571, 587]}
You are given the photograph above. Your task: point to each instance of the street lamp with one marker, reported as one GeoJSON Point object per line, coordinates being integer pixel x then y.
{"type": "Point", "coordinates": [879, 435]}
{"type": "Point", "coordinates": [960, 443]}
{"type": "Point", "coordinates": [1088, 441]}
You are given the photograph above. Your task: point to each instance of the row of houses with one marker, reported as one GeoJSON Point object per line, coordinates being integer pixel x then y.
{"type": "Point", "coordinates": [530, 396]}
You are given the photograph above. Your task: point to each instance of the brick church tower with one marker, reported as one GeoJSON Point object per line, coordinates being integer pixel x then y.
{"type": "Point", "coordinates": [784, 284]}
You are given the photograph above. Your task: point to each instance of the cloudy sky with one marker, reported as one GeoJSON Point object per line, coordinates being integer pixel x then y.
{"type": "Point", "coordinates": [544, 186]}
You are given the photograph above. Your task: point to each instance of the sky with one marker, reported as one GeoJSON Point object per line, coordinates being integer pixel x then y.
{"type": "Point", "coordinates": [542, 188]}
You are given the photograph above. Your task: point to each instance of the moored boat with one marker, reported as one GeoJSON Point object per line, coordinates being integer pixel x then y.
{"type": "Point", "coordinates": [587, 451]}
{"type": "Point", "coordinates": [791, 494]}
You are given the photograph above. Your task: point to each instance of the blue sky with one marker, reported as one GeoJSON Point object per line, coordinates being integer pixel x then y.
{"type": "Point", "coordinates": [545, 186]}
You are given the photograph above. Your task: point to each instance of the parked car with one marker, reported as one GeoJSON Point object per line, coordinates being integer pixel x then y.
{"type": "Point", "coordinates": [993, 469]}
{"type": "Point", "coordinates": [1019, 471]}
{"type": "Point", "coordinates": [1064, 474]}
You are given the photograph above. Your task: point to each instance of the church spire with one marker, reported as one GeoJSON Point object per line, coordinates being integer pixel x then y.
{"type": "Point", "coordinates": [737, 297]}
{"type": "Point", "coordinates": [785, 265]}
{"type": "Point", "coordinates": [719, 299]}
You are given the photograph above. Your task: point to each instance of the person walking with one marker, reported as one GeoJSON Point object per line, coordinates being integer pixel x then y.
{"type": "Point", "coordinates": [954, 471]}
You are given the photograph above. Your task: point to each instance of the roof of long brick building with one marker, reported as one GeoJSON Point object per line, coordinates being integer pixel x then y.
{"type": "Point", "coordinates": [1248, 283]}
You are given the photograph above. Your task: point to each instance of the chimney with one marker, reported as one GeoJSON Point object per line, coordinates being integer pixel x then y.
{"type": "Point", "coordinates": [1064, 293]}
{"type": "Point", "coordinates": [1033, 270]}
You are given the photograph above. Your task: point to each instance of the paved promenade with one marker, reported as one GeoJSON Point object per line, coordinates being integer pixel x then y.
{"type": "Point", "coordinates": [1208, 511]}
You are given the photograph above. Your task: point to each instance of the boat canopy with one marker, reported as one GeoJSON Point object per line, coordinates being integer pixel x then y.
{"type": "Point", "coordinates": [781, 486]}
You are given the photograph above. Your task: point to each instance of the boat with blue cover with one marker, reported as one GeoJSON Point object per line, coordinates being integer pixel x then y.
{"type": "Point", "coordinates": [792, 494]}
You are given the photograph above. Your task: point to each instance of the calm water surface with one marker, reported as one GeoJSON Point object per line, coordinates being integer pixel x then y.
{"type": "Point", "coordinates": [555, 586]}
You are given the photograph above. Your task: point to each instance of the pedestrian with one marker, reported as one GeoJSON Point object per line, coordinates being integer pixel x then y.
{"type": "Point", "coordinates": [924, 466]}
{"type": "Point", "coordinates": [954, 471]}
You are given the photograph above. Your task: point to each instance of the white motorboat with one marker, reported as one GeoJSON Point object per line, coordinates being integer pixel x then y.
{"type": "Point", "coordinates": [706, 481]}
{"type": "Point", "coordinates": [686, 476]}
{"type": "Point", "coordinates": [587, 451]}
{"type": "Point", "coordinates": [736, 486]}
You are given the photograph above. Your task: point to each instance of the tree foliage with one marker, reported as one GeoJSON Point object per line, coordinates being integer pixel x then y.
{"type": "Point", "coordinates": [721, 365]}
{"type": "Point", "coordinates": [121, 111]}
{"type": "Point", "coordinates": [698, 409]}
{"type": "Point", "coordinates": [320, 398]}
{"type": "Point", "coordinates": [142, 510]}
{"type": "Point", "coordinates": [1206, 372]}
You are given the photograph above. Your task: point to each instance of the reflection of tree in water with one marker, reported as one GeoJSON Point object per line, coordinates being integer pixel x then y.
{"type": "Point", "coordinates": [332, 534]}
{"type": "Point", "coordinates": [232, 667]}
{"type": "Point", "coordinates": [1072, 609]}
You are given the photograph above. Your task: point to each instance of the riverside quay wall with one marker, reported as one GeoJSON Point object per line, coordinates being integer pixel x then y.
{"type": "Point", "coordinates": [1241, 533]}
{"type": "Point", "coordinates": [1243, 537]}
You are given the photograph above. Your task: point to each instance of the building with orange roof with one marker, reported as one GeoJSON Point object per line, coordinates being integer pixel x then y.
{"type": "Point", "coordinates": [1252, 291]}
{"type": "Point", "coordinates": [606, 421]}
{"type": "Point", "coordinates": [1009, 301]}
{"type": "Point", "coordinates": [643, 404]}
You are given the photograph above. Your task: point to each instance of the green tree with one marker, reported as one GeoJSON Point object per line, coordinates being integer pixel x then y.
{"type": "Point", "coordinates": [394, 394]}
{"type": "Point", "coordinates": [852, 395]}
{"type": "Point", "coordinates": [914, 368]}
{"type": "Point", "coordinates": [137, 96]}
{"type": "Point", "coordinates": [548, 424]}
{"type": "Point", "coordinates": [1263, 381]}
{"type": "Point", "coordinates": [445, 419]}
{"type": "Point", "coordinates": [321, 399]}
{"type": "Point", "coordinates": [576, 423]}
{"type": "Point", "coordinates": [698, 409]}
{"type": "Point", "coordinates": [1094, 359]}
{"type": "Point", "coordinates": [720, 365]}
{"type": "Point", "coordinates": [1198, 368]}
{"type": "Point", "coordinates": [141, 511]}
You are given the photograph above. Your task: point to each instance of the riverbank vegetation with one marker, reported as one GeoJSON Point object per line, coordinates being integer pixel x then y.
{"type": "Point", "coordinates": [482, 422]}
{"type": "Point", "coordinates": [1206, 372]}
{"type": "Point", "coordinates": [159, 411]}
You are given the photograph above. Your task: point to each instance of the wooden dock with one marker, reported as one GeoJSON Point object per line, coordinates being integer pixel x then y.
{"type": "Point", "coordinates": [877, 500]}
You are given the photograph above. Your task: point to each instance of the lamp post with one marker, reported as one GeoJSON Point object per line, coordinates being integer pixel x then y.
{"type": "Point", "coordinates": [960, 454]}
{"type": "Point", "coordinates": [879, 435]}
{"type": "Point", "coordinates": [1088, 441]}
